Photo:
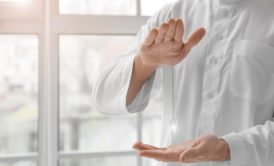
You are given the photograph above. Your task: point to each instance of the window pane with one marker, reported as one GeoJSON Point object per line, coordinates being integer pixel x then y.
{"type": "Point", "coordinates": [18, 93]}
{"type": "Point", "coordinates": [81, 126]}
{"type": "Point", "coordinates": [152, 126]}
{"type": "Point", "coordinates": [149, 7]}
{"type": "Point", "coordinates": [152, 121]}
{"type": "Point", "coordinates": [106, 161]}
{"type": "Point", "coordinates": [19, 163]}
{"type": "Point", "coordinates": [98, 7]}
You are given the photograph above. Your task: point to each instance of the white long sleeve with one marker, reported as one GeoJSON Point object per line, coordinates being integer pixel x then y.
{"type": "Point", "coordinates": [110, 90]}
{"type": "Point", "coordinates": [252, 147]}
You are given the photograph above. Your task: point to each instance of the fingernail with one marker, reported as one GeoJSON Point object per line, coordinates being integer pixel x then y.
{"type": "Point", "coordinates": [141, 154]}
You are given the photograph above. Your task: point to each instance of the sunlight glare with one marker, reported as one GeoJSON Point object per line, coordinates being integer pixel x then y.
{"type": "Point", "coordinates": [15, 1]}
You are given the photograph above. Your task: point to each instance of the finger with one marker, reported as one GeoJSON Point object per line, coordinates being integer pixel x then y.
{"type": "Point", "coordinates": [161, 155]}
{"type": "Point", "coordinates": [151, 37]}
{"type": "Point", "coordinates": [162, 32]}
{"type": "Point", "coordinates": [176, 58]}
{"type": "Point", "coordinates": [141, 146]}
{"type": "Point", "coordinates": [154, 147]}
{"type": "Point", "coordinates": [179, 31]}
{"type": "Point", "coordinates": [171, 30]}
{"type": "Point", "coordinates": [194, 39]}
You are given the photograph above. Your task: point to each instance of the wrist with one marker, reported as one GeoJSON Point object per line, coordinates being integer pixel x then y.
{"type": "Point", "coordinates": [141, 71]}
{"type": "Point", "coordinates": [141, 64]}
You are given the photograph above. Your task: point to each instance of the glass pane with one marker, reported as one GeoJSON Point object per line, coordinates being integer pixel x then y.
{"type": "Point", "coordinates": [19, 163]}
{"type": "Point", "coordinates": [151, 162]}
{"type": "Point", "coordinates": [106, 161]}
{"type": "Point", "coordinates": [98, 7]}
{"type": "Point", "coordinates": [152, 128]}
{"type": "Point", "coordinates": [18, 93]}
{"type": "Point", "coordinates": [81, 126]}
{"type": "Point", "coordinates": [152, 121]}
{"type": "Point", "coordinates": [150, 7]}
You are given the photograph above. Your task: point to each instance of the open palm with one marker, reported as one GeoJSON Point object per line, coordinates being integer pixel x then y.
{"type": "Point", "coordinates": [206, 148]}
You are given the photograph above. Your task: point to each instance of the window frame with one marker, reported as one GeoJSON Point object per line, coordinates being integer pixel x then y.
{"type": "Point", "coordinates": [48, 25]}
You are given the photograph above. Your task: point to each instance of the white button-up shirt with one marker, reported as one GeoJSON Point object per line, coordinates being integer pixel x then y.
{"type": "Point", "coordinates": [225, 86]}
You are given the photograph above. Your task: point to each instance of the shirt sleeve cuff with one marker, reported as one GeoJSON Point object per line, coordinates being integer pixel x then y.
{"type": "Point", "coordinates": [237, 149]}
{"type": "Point", "coordinates": [141, 100]}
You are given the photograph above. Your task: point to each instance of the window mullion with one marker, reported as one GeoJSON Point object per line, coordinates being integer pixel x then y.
{"type": "Point", "coordinates": [138, 7]}
{"type": "Point", "coordinates": [127, 25]}
{"type": "Point", "coordinates": [64, 155]}
{"type": "Point", "coordinates": [49, 97]}
{"type": "Point", "coordinates": [20, 27]}
{"type": "Point", "coordinates": [19, 157]}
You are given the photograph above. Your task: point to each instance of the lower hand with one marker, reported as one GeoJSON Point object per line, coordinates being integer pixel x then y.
{"type": "Point", "coordinates": [206, 148]}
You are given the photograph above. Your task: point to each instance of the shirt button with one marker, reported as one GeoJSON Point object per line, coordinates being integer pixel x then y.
{"type": "Point", "coordinates": [225, 13]}
{"type": "Point", "coordinates": [210, 95]}
{"type": "Point", "coordinates": [220, 36]}
{"type": "Point", "coordinates": [214, 61]}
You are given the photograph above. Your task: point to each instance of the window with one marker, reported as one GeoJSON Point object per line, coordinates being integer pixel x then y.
{"type": "Point", "coordinates": [111, 7]}
{"type": "Point", "coordinates": [18, 94]}
{"type": "Point", "coordinates": [98, 7]}
{"type": "Point", "coordinates": [106, 161]}
{"type": "Point", "coordinates": [83, 128]}
{"type": "Point", "coordinates": [51, 52]}
{"type": "Point", "coordinates": [148, 8]}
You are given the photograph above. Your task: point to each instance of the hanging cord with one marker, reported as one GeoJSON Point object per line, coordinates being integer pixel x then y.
{"type": "Point", "coordinates": [172, 87]}
{"type": "Point", "coordinates": [173, 125]}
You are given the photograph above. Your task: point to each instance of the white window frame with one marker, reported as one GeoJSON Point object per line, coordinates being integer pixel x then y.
{"type": "Point", "coordinates": [48, 25]}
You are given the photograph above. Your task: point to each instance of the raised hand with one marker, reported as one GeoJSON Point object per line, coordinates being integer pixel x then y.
{"type": "Point", "coordinates": [165, 46]}
{"type": "Point", "coordinates": [206, 148]}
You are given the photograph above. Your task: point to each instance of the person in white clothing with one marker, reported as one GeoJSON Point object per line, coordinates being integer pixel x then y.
{"type": "Point", "coordinates": [219, 55]}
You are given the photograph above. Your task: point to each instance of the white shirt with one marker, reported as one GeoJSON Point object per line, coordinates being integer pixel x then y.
{"type": "Point", "coordinates": [225, 86]}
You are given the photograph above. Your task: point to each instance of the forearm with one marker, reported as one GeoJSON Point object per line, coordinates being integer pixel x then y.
{"type": "Point", "coordinates": [140, 74]}
{"type": "Point", "coordinates": [110, 89]}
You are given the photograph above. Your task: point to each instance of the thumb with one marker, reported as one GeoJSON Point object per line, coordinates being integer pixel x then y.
{"type": "Point", "coordinates": [151, 37]}
{"type": "Point", "coordinates": [196, 36]}
{"type": "Point", "coordinates": [194, 39]}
